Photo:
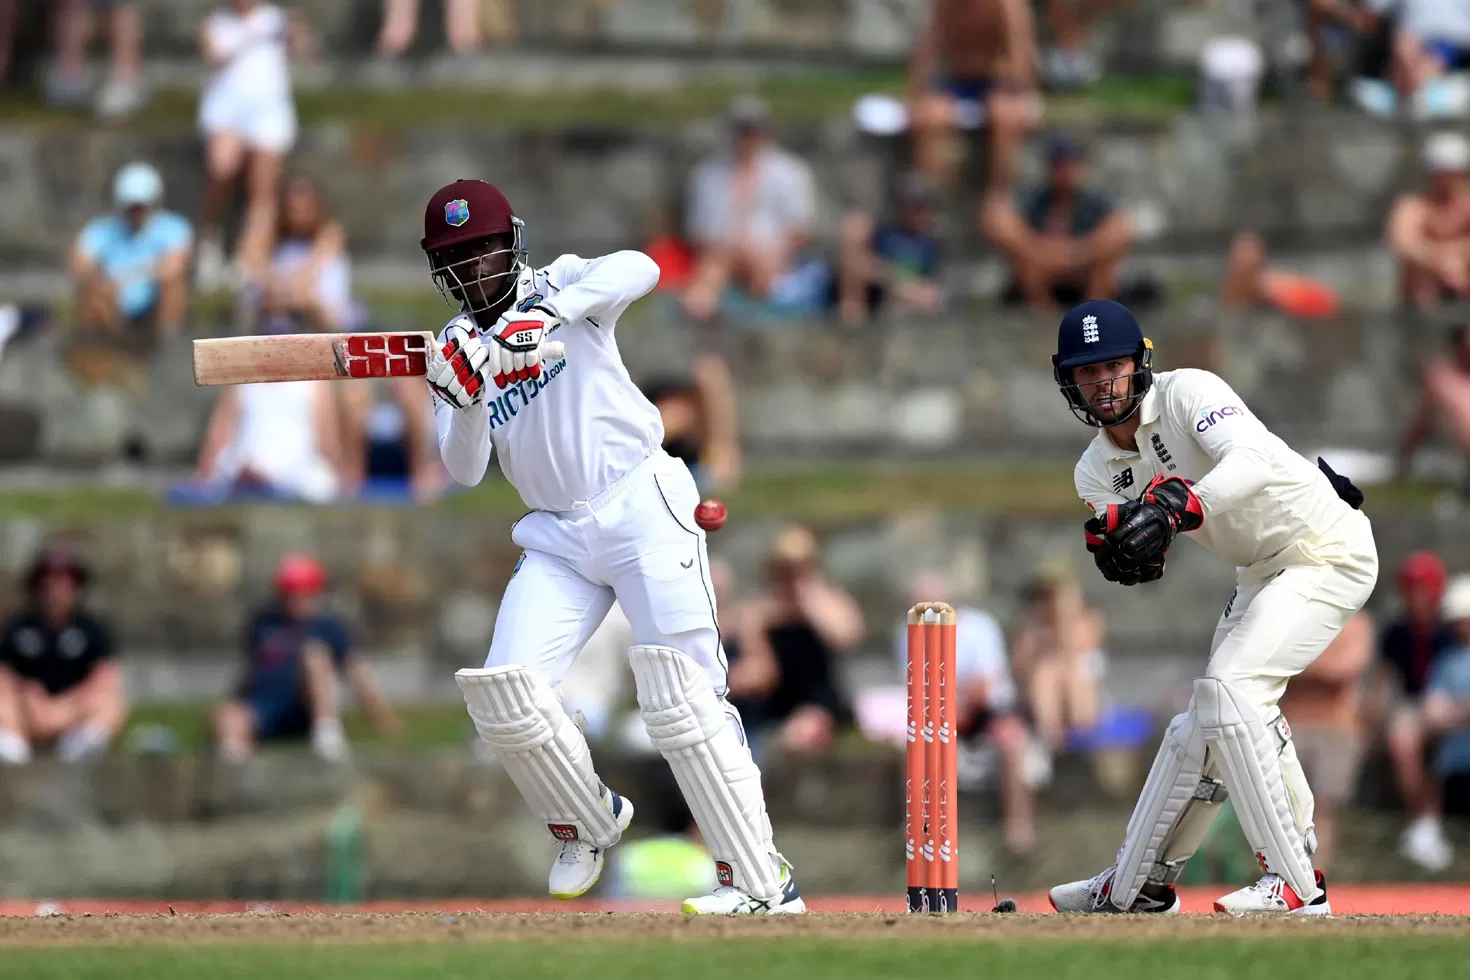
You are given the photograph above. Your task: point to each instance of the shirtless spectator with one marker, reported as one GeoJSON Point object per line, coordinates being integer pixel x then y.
{"type": "Point", "coordinates": [1444, 400]}
{"type": "Point", "coordinates": [1057, 653]}
{"type": "Point", "coordinates": [1429, 233]}
{"type": "Point", "coordinates": [1322, 705]}
{"type": "Point", "coordinates": [974, 63]}
{"type": "Point", "coordinates": [1064, 240]}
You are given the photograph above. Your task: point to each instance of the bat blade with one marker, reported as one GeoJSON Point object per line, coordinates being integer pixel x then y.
{"type": "Point", "coordinates": [310, 357]}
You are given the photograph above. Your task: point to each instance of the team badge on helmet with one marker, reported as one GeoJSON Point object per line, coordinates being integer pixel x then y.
{"type": "Point", "coordinates": [457, 213]}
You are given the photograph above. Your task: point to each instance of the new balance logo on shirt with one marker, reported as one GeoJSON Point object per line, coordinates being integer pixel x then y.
{"type": "Point", "coordinates": [1123, 480]}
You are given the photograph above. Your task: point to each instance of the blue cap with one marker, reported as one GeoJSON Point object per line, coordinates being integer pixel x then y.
{"type": "Point", "coordinates": [1098, 330]}
{"type": "Point", "coordinates": [137, 185]}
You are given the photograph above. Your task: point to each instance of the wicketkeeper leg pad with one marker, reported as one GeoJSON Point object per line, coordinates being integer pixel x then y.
{"type": "Point", "coordinates": [1249, 753]}
{"type": "Point", "coordinates": [520, 717]}
{"type": "Point", "coordinates": [701, 738]}
{"type": "Point", "coordinates": [1172, 815]}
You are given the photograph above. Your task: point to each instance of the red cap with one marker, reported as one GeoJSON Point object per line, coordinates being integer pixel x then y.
{"type": "Point", "coordinates": [1425, 570]}
{"type": "Point", "coordinates": [465, 211]}
{"type": "Point", "coordinates": [300, 575]}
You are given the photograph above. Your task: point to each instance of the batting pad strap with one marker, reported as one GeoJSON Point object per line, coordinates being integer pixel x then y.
{"type": "Point", "coordinates": [1169, 794]}
{"type": "Point", "coordinates": [1248, 755]}
{"type": "Point", "coordinates": [520, 717]}
{"type": "Point", "coordinates": [701, 738]}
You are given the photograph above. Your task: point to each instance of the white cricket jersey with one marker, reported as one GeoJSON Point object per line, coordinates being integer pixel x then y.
{"type": "Point", "coordinates": [1265, 505]}
{"type": "Point", "coordinates": [568, 435]}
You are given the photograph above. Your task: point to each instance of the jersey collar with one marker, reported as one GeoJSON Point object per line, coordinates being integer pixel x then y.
{"type": "Point", "coordinates": [1147, 412]}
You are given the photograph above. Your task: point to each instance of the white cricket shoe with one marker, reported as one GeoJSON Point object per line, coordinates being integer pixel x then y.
{"type": "Point", "coordinates": [578, 864]}
{"type": "Point", "coordinates": [1273, 896]}
{"type": "Point", "coordinates": [1095, 895]}
{"type": "Point", "coordinates": [729, 900]}
{"type": "Point", "coordinates": [1425, 844]}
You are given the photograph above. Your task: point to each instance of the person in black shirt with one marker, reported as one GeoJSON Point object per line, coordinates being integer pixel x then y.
{"type": "Point", "coordinates": [59, 684]}
{"type": "Point", "coordinates": [1064, 240]}
{"type": "Point", "coordinates": [1408, 648]}
{"type": "Point", "coordinates": [786, 679]}
{"type": "Point", "coordinates": [293, 653]}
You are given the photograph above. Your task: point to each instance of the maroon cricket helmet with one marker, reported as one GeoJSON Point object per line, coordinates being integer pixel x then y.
{"type": "Point", "coordinates": [466, 223]}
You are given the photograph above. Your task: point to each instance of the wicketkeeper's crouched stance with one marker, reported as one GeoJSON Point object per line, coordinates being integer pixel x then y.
{"type": "Point", "coordinates": [1306, 560]}
{"type": "Point", "coordinates": [612, 515]}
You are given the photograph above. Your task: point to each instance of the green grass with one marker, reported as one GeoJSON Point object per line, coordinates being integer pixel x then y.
{"type": "Point", "coordinates": [426, 725]}
{"type": "Point", "coordinates": [1420, 958]}
{"type": "Point", "coordinates": [803, 97]}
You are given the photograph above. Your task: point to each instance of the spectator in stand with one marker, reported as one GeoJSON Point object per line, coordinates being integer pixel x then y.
{"type": "Point", "coordinates": [59, 684]}
{"type": "Point", "coordinates": [274, 441]}
{"type": "Point", "coordinates": [309, 284]}
{"type": "Point", "coordinates": [790, 639]}
{"type": "Point", "coordinates": [987, 709]}
{"type": "Point", "coordinates": [974, 64]}
{"type": "Point", "coordinates": [750, 215]}
{"type": "Point", "coordinates": [1444, 401]}
{"type": "Point", "coordinates": [1057, 653]}
{"type": "Point", "coordinates": [1323, 705]}
{"type": "Point", "coordinates": [1446, 711]}
{"type": "Point", "coordinates": [894, 266]}
{"type": "Point", "coordinates": [401, 26]}
{"type": "Point", "coordinates": [1429, 232]}
{"type": "Point", "coordinates": [70, 84]}
{"type": "Point", "coordinates": [1250, 284]}
{"type": "Point", "coordinates": [9, 10]}
{"type": "Point", "coordinates": [1432, 40]}
{"type": "Point", "coordinates": [1069, 63]}
{"type": "Point", "coordinates": [390, 450]}
{"type": "Point", "coordinates": [1064, 241]}
{"type": "Point", "coordinates": [701, 425]}
{"type": "Point", "coordinates": [1409, 648]}
{"type": "Point", "coordinates": [131, 267]}
{"type": "Point", "coordinates": [249, 119]}
{"type": "Point", "coordinates": [294, 652]}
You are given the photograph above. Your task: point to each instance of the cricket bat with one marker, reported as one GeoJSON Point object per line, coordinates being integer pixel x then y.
{"type": "Point", "coordinates": [311, 357]}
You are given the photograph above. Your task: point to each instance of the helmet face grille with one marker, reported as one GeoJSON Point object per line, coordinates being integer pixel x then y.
{"type": "Point", "coordinates": [462, 285]}
{"type": "Point", "coordinates": [1142, 380]}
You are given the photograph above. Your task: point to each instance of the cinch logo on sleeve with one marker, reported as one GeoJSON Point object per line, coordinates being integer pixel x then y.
{"type": "Point", "coordinates": [1209, 418]}
{"type": "Point", "coordinates": [508, 404]}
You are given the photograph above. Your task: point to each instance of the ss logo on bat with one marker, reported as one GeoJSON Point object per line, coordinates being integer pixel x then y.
{"type": "Point", "coordinates": [384, 356]}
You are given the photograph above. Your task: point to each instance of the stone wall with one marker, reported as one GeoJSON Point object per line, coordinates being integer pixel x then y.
{"type": "Point", "coordinates": [444, 826]}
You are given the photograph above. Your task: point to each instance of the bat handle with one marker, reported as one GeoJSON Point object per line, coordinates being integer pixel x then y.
{"type": "Point", "coordinates": [554, 351]}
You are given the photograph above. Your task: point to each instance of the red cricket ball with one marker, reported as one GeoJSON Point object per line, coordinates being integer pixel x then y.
{"type": "Point", "coordinates": [710, 514]}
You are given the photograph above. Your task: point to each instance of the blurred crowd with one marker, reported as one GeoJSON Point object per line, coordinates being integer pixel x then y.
{"type": "Point", "coordinates": [1030, 691]}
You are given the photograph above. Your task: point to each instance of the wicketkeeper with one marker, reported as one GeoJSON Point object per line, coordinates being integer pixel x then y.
{"type": "Point", "coordinates": [1179, 453]}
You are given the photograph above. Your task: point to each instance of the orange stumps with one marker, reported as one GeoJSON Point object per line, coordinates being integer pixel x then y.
{"type": "Point", "coordinates": [930, 844]}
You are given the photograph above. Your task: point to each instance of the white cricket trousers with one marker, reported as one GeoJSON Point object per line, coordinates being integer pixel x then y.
{"type": "Point", "coordinates": [637, 542]}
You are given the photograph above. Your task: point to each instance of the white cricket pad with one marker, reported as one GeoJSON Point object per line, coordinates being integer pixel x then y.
{"type": "Point", "coordinates": [1172, 815]}
{"type": "Point", "coordinates": [520, 717]}
{"type": "Point", "coordinates": [1249, 755]}
{"type": "Point", "coordinates": [701, 738]}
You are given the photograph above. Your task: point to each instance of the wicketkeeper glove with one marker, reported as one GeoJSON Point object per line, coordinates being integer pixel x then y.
{"type": "Point", "coordinates": [1132, 539]}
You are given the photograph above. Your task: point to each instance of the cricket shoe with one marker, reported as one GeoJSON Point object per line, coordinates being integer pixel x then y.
{"type": "Point", "coordinates": [1273, 896]}
{"type": "Point", "coordinates": [579, 864]}
{"type": "Point", "coordinates": [1096, 895]}
{"type": "Point", "coordinates": [729, 900]}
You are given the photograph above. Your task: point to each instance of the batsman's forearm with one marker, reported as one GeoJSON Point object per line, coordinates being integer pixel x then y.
{"type": "Point", "coordinates": [611, 283]}
{"type": "Point", "coordinates": [1237, 475]}
{"type": "Point", "coordinates": [464, 441]}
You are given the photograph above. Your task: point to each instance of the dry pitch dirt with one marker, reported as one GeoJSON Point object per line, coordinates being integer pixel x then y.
{"type": "Point", "coordinates": [360, 929]}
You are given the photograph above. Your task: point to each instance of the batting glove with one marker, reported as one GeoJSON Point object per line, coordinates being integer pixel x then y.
{"type": "Point", "coordinates": [521, 344]}
{"type": "Point", "coordinates": [457, 369]}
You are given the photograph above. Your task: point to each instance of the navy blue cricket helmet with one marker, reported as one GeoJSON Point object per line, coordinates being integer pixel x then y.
{"type": "Point", "coordinates": [1101, 330]}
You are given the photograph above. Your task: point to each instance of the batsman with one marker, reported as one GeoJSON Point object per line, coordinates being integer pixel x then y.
{"type": "Point", "coordinates": [1179, 453]}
